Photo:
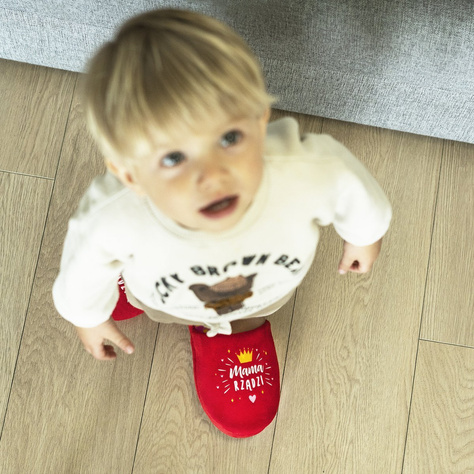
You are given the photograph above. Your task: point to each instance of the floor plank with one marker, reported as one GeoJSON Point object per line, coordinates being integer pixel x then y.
{"type": "Point", "coordinates": [450, 291]}
{"type": "Point", "coordinates": [441, 433]}
{"type": "Point", "coordinates": [68, 412]}
{"type": "Point", "coordinates": [347, 375]}
{"type": "Point", "coordinates": [34, 106]}
{"type": "Point", "coordinates": [348, 378]}
{"type": "Point", "coordinates": [23, 212]}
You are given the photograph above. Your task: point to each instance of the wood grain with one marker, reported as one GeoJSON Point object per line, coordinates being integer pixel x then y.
{"type": "Point", "coordinates": [68, 412]}
{"type": "Point", "coordinates": [23, 210]}
{"type": "Point", "coordinates": [449, 309]}
{"type": "Point", "coordinates": [441, 432]}
{"type": "Point", "coordinates": [351, 357]}
{"type": "Point", "coordinates": [34, 106]}
{"type": "Point", "coordinates": [347, 369]}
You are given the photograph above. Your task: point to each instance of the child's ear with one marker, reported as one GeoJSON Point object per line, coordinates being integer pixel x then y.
{"type": "Point", "coordinates": [266, 114]}
{"type": "Point", "coordinates": [124, 174]}
{"type": "Point", "coordinates": [264, 119]}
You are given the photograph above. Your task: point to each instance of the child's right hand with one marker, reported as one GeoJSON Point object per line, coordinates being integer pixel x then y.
{"type": "Point", "coordinates": [94, 339]}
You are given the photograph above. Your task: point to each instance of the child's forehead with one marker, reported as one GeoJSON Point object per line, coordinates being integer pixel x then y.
{"type": "Point", "coordinates": [206, 126]}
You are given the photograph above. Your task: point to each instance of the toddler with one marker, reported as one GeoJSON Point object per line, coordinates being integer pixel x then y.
{"type": "Point", "coordinates": [210, 216]}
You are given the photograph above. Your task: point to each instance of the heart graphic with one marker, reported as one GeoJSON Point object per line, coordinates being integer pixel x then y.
{"type": "Point", "coordinates": [252, 398]}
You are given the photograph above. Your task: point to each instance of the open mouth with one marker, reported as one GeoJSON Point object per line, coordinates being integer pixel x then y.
{"type": "Point", "coordinates": [220, 208]}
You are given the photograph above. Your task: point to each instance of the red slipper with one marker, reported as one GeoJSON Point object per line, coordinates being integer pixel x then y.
{"type": "Point", "coordinates": [123, 309]}
{"type": "Point", "coordinates": [237, 379]}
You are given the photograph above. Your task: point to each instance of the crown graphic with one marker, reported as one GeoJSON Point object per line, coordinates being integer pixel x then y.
{"type": "Point", "coordinates": [245, 356]}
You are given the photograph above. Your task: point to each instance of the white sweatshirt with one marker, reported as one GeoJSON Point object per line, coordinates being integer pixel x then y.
{"type": "Point", "coordinates": [308, 182]}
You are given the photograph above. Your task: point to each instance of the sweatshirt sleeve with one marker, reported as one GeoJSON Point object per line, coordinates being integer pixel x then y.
{"type": "Point", "coordinates": [360, 210]}
{"type": "Point", "coordinates": [86, 291]}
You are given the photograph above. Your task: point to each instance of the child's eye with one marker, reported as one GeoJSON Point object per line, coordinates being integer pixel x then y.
{"type": "Point", "coordinates": [231, 138]}
{"type": "Point", "coordinates": [172, 159]}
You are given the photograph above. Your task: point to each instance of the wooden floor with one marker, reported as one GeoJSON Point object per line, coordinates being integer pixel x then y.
{"type": "Point", "coordinates": [377, 370]}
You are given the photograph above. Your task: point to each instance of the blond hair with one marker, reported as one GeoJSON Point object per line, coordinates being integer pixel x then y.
{"type": "Point", "coordinates": [165, 72]}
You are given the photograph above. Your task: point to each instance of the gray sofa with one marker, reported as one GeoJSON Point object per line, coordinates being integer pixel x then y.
{"type": "Point", "coordinates": [404, 65]}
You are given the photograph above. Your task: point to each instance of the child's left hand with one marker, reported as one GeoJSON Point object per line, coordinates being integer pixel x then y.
{"type": "Point", "coordinates": [359, 259]}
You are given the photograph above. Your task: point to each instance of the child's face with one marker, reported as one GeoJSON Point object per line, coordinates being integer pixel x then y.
{"type": "Point", "coordinates": [204, 181]}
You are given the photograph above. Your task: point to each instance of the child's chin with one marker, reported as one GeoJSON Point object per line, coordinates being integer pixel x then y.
{"type": "Point", "coordinates": [220, 225]}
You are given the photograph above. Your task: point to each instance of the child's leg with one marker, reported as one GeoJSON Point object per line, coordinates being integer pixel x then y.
{"type": "Point", "coordinates": [124, 308]}
{"type": "Point", "coordinates": [243, 325]}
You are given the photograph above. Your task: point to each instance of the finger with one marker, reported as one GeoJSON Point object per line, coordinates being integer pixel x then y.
{"type": "Point", "coordinates": [102, 352]}
{"type": "Point", "coordinates": [364, 267]}
{"type": "Point", "coordinates": [120, 340]}
{"type": "Point", "coordinates": [345, 266]}
{"type": "Point", "coordinates": [109, 352]}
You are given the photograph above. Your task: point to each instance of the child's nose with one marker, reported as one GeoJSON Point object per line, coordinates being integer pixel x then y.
{"type": "Point", "coordinates": [211, 172]}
